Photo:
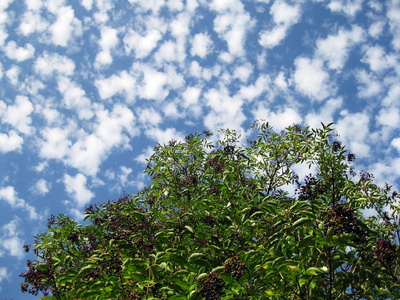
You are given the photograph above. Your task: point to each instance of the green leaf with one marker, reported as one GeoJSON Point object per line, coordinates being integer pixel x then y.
{"type": "Point", "coordinates": [195, 256]}
{"type": "Point", "coordinates": [301, 221]}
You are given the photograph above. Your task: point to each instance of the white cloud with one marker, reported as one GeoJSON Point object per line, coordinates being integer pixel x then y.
{"type": "Point", "coordinates": [77, 190]}
{"type": "Point", "coordinates": [335, 48]}
{"type": "Point", "coordinates": [87, 4]}
{"type": "Point", "coordinates": [19, 53]}
{"type": "Point", "coordinates": [389, 116]}
{"type": "Point", "coordinates": [65, 26]}
{"type": "Point", "coordinates": [4, 275]}
{"type": "Point", "coordinates": [232, 27]}
{"type": "Point", "coordinates": [163, 136]}
{"type": "Point", "coordinates": [284, 13]}
{"type": "Point", "coordinates": [348, 7]}
{"type": "Point", "coordinates": [55, 143]}
{"type": "Point", "coordinates": [180, 26]}
{"type": "Point", "coordinates": [74, 98]}
{"type": "Point", "coordinates": [393, 16]}
{"type": "Point", "coordinates": [201, 45]}
{"type": "Point", "coordinates": [280, 119]}
{"type": "Point", "coordinates": [284, 16]}
{"type": "Point", "coordinates": [273, 37]}
{"type": "Point", "coordinates": [149, 116]}
{"type": "Point", "coordinates": [153, 5]}
{"type": "Point", "coordinates": [369, 85]}
{"type": "Point", "coordinates": [18, 115]}
{"type": "Point", "coordinates": [110, 129]}
{"type": "Point", "coordinates": [396, 144]}
{"type": "Point", "coordinates": [175, 5]}
{"type": "Point", "coordinates": [154, 84]}
{"type": "Point", "coordinates": [87, 154]}
{"type": "Point", "coordinates": [109, 40]}
{"type": "Point", "coordinates": [253, 91]}
{"type": "Point", "coordinates": [325, 114]}
{"type": "Point", "coordinates": [9, 195]}
{"type": "Point", "coordinates": [141, 45]}
{"type": "Point", "coordinates": [376, 28]}
{"type": "Point", "coordinates": [13, 75]}
{"type": "Point", "coordinates": [124, 83]}
{"type": "Point", "coordinates": [42, 187]}
{"type": "Point", "coordinates": [377, 59]}
{"type": "Point", "coordinates": [31, 22]}
{"type": "Point", "coordinates": [54, 63]}
{"type": "Point", "coordinates": [10, 141]}
{"type": "Point", "coordinates": [226, 111]}
{"type": "Point", "coordinates": [354, 132]}
{"type": "Point", "coordinates": [311, 79]}
{"type": "Point", "coordinates": [10, 240]}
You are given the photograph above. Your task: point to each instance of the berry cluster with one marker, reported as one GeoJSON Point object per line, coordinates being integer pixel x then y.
{"type": "Point", "coordinates": [385, 251]}
{"type": "Point", "coordinates": [343, 219]}
{"type": "Point", "coordinates": [252, 210]}
{"type": "Point", "coordinates": [209, 220]}
{"type": "Point", "coordinates": [112, 265]}
{"type": "Point", "coordinates": [189, 180]}
{"type": "Point", "coordinates": [311, 189]}
{"type": "Point", "coordinates": [229, 149]}
{"type": "Point", "coordinates": [212, 286]}
{"type": "Point", "coordinates": [217, 164]}
{"type": "Point", "coordinates": [35, 279]}
{"type": "Point", "coordinates": [234, 267]}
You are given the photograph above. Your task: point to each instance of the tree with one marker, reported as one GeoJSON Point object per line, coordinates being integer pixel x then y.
{"type": "Point", "coordinates": [217, 223]}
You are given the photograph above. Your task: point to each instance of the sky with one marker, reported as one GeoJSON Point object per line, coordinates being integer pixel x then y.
{"type": "Point", "coordinates": [89, 87]}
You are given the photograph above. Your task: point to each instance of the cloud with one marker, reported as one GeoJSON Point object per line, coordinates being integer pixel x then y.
{"type": "Point", "coordinates": [141, 45]}
{"type": "Point", "coordinates": [377, 59]}
{"type": "Point", "coordinates": [284, 17]}
{"type": "Point", "coordinates": [111, 130]}
{"type": "Point", "coordinates": [10, 141]}
{"type": "Point", "coordinates": [42, 187]}
{"type": "Point", "coordinates": [77, 190]}
{"type": "Point", "coordinates": [232, 25]}
{"type": "Point", "coordinates": [19, 53]}
{"type": "Point", "coordinates": [13, 75]}
{"type": "Point", "coordinates": [11, 242]}
{"type": "Point", "coordinates": [66, 25]}
{"type": "Point", "coordinates": [74, 98]}
{"type": "Point", "coordinates": [32, 22]}
{"type": "Point", "coordinates": [311, 78]}
{"type": "Point", "coordinates": [55, 143]}
{"type": "Point", "coordinates": [225, 111]}
{"type": "Point", "coordinates": [154, 84]}
{"type": "Point", "coordinates": [201, 45]}
{"type": "Point", "coordinates": [4, 275]}
{"type": "Point", "coordinates": [369, 85]}
{"type": "Point", "coordinates": [348, 7]}
{"type": "Point", "coordinates": [325, 114]}
{"type": "Point", "coordinates": [53, 63]}
{"type": "Point", "coordinates": [109, 40]}
{"type": "Point", "coordinates": [335, 48]}
{"type": "Point", "coordinates": [10, 196]}
{"type": "Point", "coordinates": [354, 131]}
{"type": "Point", "coordinates": [123, 83]}
{"type": "Point", "coordinates": [18, 115]}
{"type": "Point", "coordinates": [280, 119]}
{"type": "Point", "coordinates": [389, 116]}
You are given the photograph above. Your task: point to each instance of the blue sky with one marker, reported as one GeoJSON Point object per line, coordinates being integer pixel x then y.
{"type": "Point", "coordinates": [88, 87]}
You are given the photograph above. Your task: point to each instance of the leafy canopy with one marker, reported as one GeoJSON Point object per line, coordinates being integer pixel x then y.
{"type": "Point", "coordinates": [216, 223]}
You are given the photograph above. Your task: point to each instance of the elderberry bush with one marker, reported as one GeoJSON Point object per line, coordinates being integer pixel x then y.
{"type": "Point", "coordinates": [217, 222]}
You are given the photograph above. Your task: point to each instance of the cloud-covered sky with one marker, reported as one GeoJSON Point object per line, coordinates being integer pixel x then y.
{"type": "Point", "coordinates": [88, 87]}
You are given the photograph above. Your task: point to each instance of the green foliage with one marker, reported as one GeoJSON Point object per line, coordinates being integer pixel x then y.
{"type": "Point", "coordinates": [215, 223]}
